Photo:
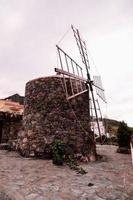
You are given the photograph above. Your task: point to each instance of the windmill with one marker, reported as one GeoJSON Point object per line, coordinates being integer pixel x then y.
{"type": "Point", "coordinates": [80, 83]}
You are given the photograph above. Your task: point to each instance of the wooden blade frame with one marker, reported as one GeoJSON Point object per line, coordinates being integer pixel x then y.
{"type": "Point", "coordinates": [71, 73]}
{"type": "Point", "coordinates": [83, 52]}
{"type": "Point", "coordinates": [82, 47]}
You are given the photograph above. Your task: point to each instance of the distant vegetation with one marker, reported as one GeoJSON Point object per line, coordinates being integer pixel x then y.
{"type": "Point", "coordinates": [124, 135]}
{"type": "Point", "coordinates": [119, 132]}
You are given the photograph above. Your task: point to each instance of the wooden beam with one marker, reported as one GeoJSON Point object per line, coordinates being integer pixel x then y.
{"type": "Point", "coordinates": [75, 95]}
{"type": "Point", "coordinates": [60, 71]}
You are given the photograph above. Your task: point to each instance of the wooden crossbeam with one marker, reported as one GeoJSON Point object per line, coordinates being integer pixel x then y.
{"type": "Point", "coordinates": [75, 95]}
{"type": "Point", "coordinates": [60, 71]}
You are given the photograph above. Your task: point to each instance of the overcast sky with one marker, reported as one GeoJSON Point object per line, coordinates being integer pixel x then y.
{"type": "Point", "coordinates": [30, 29]}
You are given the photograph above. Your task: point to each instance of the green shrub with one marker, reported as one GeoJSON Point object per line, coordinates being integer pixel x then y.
{"type": "Point", "coordinates": [123, 135]}
{"type": "Point", "coordinates": [57, 150]}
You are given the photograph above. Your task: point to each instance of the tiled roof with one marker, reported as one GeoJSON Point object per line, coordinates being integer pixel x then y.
{"type": "Point", "coordinates": [10, 107]}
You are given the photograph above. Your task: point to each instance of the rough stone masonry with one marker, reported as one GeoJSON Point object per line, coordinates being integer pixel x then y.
{"type": "Point", "coordinates": [48, 115]}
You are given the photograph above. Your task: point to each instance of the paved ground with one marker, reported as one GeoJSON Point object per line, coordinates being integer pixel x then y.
{"type": "Point", "coordinates": [27, 179]}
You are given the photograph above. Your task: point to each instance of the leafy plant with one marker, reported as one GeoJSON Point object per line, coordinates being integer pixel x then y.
{"type": "Point", "coordinates": [123, 135]}
{"type": "Point", "coordinates": [72, 163]}
{"type": "Point", "coordinates": [58, 154]}
{"type": "Point", "coordinates": [57, 150]}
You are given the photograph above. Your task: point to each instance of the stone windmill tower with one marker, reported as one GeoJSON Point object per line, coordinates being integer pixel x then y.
{"type": "Point", "coordinates": [58, 107]}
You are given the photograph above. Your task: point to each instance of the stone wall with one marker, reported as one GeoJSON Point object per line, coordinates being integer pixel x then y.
{"type": "Point", "coordinates": [49, 116]}
{"type": "Point", "coordinates": [10, 126]}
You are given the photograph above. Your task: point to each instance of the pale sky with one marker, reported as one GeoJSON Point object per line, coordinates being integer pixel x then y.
{"type": "Point", "coordinates": [30, 29]}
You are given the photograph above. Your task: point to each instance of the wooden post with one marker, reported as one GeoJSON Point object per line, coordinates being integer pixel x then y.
{"type": "Point", "coordinates": [131, 145]}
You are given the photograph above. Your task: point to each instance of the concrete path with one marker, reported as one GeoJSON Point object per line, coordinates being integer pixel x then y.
{"type": "Point", "coordinates": [27, 179]}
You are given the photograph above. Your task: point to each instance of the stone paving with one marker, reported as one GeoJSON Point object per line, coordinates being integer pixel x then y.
{"type": "Point", "coordinates": [26, 179]}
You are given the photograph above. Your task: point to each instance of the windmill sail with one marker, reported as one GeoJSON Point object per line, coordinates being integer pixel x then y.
{"type": "Point", "coordinates": [74, 82]}
{"type": "Point", "coordinates": [84, 55]}
{"type": "Point", "coordinates": [82, 48]}
{"type": "Point", "coordinates": [97, 82]}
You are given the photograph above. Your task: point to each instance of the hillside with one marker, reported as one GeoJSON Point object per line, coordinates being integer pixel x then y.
{"type": "Point", "coordinates": [112, 125]}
